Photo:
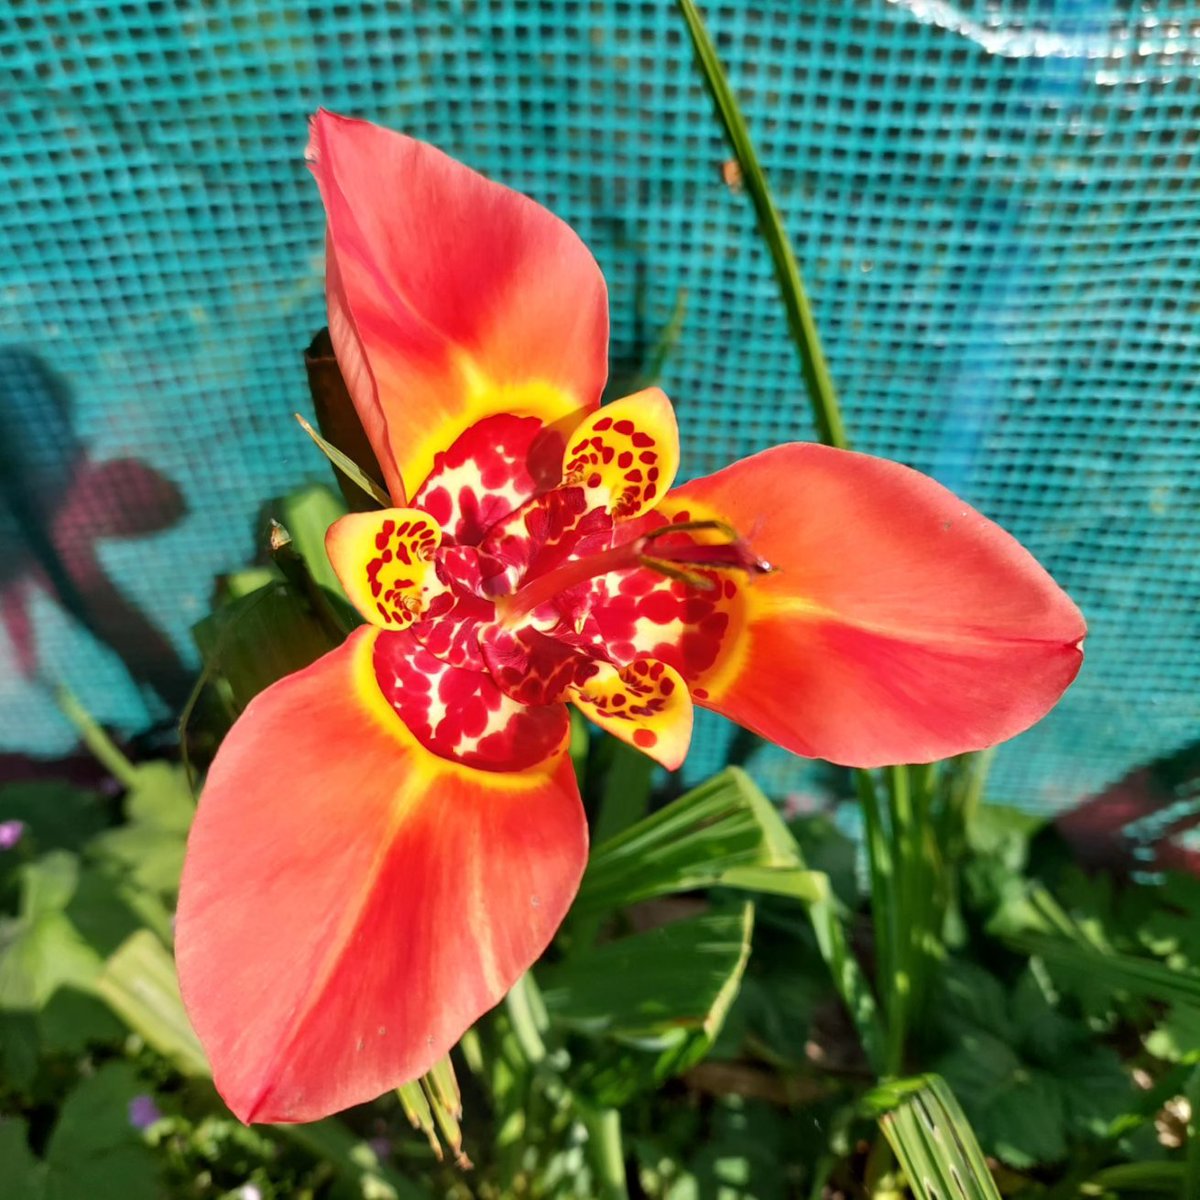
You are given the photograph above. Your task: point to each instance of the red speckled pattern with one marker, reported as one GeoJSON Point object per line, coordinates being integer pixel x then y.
{"type": "Point", "coordinates": [644, 613]}
{"type": "Point", "coordinates": [479, 678]}
{"type": "Point", "coordinates": [460, 713]}
{"type": "Point", "coordinates": [490, 470]}
{"type": "Point", "coordinates": [403, 550]}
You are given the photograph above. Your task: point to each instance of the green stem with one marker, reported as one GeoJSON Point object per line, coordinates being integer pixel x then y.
{"type": "Point", "coordinates": [527, 1014]}
{"type": "Point", "coordinates": [1190, 1189]}
{"type": "Point", "coordinates": [608, 1154]}
{"type": "Point", "coordinates": [102, 747]}
{"type": "Point", "coordinates": [626, 796]}
{"type": "Point", "coordinates": [898, 988]}
{"type": "Point", "coordinates": [295, 570]}
{"type": "Point", "coordinates": [817, 380]}
{"type": "Point", "coordinates": [885, 913]}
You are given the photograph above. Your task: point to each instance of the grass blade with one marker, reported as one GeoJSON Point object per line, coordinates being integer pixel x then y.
{"type": "Point", "coordinates": [817, 380]}
{"type": "Point", "coordinates": [933, 1141]}
{"type": "Point", "coordinates": [350, 469]}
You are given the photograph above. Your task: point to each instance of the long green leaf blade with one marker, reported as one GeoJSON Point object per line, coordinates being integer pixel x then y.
{"type": "Point", "coordinates": [138, 983]}
{"type": "Point", "coordinates": [933, 1141]}
{"type": "Point", "coordinates": [350, 469]}
{"type": "Point", "coordinates": [801, 323]}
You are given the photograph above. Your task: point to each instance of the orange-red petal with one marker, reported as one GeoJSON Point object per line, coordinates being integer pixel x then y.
{"type": "Point", "coordinates": [451, 298]}
{"type": "Point", "coordinates": [352, 903]}
{"type": "Point", "coordinates": [900, 625]}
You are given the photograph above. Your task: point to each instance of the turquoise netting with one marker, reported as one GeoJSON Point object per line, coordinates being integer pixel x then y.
{"type": "Point", "coordinates": [996, 203]}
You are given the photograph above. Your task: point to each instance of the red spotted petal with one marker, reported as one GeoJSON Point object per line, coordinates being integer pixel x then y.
{"type": "Point", "coordinates": [625, 455]}
{"type": "Point", "coordinates": [461, 713]}
{"type": "Point", "coordinates": [645, 704]}
{"type": "Point", "coordinates": [451, 298]}
{"type": "Point", "coordinates": [350, 903]}
{"type": "Point", "coordinates": [900, 626]}
{"type": "Point", "coordinates": [490, 471]}
{"type": "Point", "coordinates": [642, 613]}
{"type": "Point", "coordinates": [384, 561]}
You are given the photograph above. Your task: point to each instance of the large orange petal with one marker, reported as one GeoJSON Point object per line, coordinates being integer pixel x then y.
{"type": "Point", "coordinates": [350, 902]}
{"type": "Point", "coordinates": [900, 626]}
{"type": "Point", "coordinates": [451, 298]}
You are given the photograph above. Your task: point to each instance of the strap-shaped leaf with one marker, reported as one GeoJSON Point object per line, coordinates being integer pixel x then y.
{"type": "Point", "coordinates": [350, 469]}
{"type": "Point", "coordinates": [655, 1001]}
{"type": "Point", "coordinates": [724, 832]}
{"type": "Point", "coordinates": [932, 1140]}
{"type": "Point", "coordinates": [138, 983]}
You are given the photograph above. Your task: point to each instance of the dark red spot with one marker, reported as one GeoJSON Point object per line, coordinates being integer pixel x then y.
{"type": "Point", "coordinates": [624, 427]}
{"type": "Point", "coordinates": [642, 440]}
{"type": "Point", "coordinates": [603, 424]}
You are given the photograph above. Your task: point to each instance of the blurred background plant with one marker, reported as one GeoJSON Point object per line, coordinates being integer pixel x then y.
{"type": "Point", "coordinates": [753, 997]}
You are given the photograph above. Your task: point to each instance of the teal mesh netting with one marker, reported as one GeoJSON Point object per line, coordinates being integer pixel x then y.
{"type": "Point", "coordinates": [997, 204]}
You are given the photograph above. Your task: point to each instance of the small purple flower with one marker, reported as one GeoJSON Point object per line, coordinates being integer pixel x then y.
{"type": "Point", "coordinates": [143, 1112]}
{"type": "Point", "coordinates": [11, 832]}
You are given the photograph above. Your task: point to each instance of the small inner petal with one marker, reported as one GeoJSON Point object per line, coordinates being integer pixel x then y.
{"type": "Point", "coordinates": [625, 454]}
{"type": "Point", "coordinates": [645, 704]}
{"type": "Point", "coordinates": [385, 562]}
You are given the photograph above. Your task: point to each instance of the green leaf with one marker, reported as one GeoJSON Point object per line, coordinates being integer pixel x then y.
{"type": "Point", "coordinates": [18, 1049]}
{"type": "Point", "coordinates": [307, 513]}
{"type": "Point", "coordinates": [47, 969]}
{"type": "Point", "coordinates": [972, 999]}
{"type": "Point", "coordinates": [1096, 1091]}
{"type": "Point", "coordinates": [653, 988]}
{"type": "Point", "coordinates": [628, 776]}
{"type": "Point", "coordinates": [933, 1142]}
{"type": "Point", "coordinates": [346, 465]}
{"type": "Point", "coordinates": [1140, 1178]}
{"type": "Point", "coordinates": [23, 1174]}
{"type": "Point", "coordinates": [57, 815]}
{"type": "Point", "coordinates": [94, 1151]}
{"type": "Point", "coordinates": [710, 836]}
{"type": "Point", "coordinates": [1017, 1111]}
{"type": "Point", "coordinates": [150, 858]}
{"type": "Point", "coordinates": [1110, 969]}
{"type": "Point", "coordinates": [41, 950]}
{"type": "Point", "coordinates": [743, 1157]}
{"type": "Point", "coordinates": [727, 833]}
{"type": "Point", "coordinates": [161, 798]}
{"type": "Point", "coordinates": [352, 1160]}
{"type": "Point", "coordinates": [1176, 1038]}
{"type": "Point", "coordinates": [139, 984]}
{"type": "Point", "coordinates": [259, 638]}
{"type": "Point", "coordinates": [664, 994]}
